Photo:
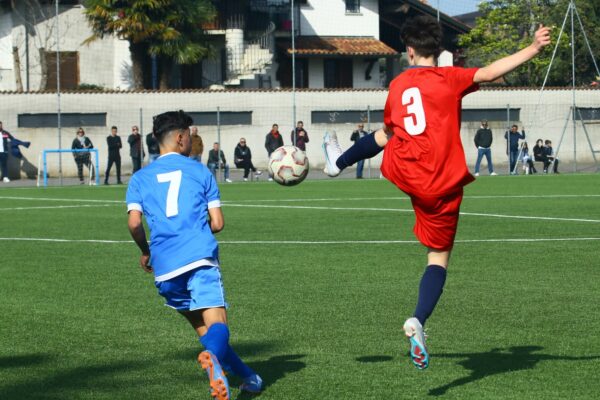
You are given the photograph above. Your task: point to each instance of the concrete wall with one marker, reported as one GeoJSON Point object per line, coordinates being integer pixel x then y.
{"type": "Point", "coordinates": [123, 109]}
{"type": "Point", "coordinates": [329, 18]}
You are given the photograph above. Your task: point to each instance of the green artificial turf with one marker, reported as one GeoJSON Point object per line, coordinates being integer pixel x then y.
{"type": "Point", "coordinates": [318, 293]}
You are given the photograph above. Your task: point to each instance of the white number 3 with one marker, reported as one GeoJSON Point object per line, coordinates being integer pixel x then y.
{"type": "Point", "coordinates": [174, 179]}
{"type": "Point", "coordinates": [415, 123]}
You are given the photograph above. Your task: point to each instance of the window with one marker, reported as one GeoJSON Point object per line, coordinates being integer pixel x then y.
{"type": "Point", "coordinates": [69, 70]}
{"type": "Point", "coordinates": [353, 6]}
{"type": "Point", "coordinates": [337, 73]}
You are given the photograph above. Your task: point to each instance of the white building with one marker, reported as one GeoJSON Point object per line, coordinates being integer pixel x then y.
{"type": "Point", "coordinates": [29, 31]}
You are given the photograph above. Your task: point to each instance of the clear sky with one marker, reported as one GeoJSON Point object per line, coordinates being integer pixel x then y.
{"type": "Point", "coordinates": [455, 7]}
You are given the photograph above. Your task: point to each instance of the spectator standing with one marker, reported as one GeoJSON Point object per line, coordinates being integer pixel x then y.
{"type": "Point", "coordinates": [197, 145]}
{"type": "Point", "coordinates": [299, 136]}
{"type": "Point", "coordinates": [114, 154]}
{"type": "Point", "coordinates": [483, 142]}
{"type": "Point", "coordinates": [82, 158]}
{"type": "Point", "coordinates": [273, 141]}
{"type": "Point", "coordinates": [136, 150]}
{"type": "Point", "coordinates": [513, 137]}
{"type": "Point", "coordinates": [355, 137]}
{"type": "Point", "coordinates": [4, 148]}
{"type": "Point", "coordinates": [550, 157]}
{"type": "Point", "coordinates": [153, 147]}
{"type": "Point", "coordinates": [242, 157]}
{"type": "Point", "coordinates": [216, 160]}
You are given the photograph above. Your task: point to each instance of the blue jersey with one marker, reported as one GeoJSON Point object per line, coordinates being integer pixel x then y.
{"type": "Point", "coordinates": [175, 193]}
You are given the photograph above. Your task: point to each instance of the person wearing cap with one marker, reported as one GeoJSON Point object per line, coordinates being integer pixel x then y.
{"type": "Point", "coordinates": [483, 142]}
{"type": "Point", "coordinates": [355, 137]}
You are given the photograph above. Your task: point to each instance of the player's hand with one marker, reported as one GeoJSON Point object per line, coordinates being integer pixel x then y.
{"type": "Point", "coordinates": [542, 37]}
{"type": "Point", "coordinates": [145, 262]}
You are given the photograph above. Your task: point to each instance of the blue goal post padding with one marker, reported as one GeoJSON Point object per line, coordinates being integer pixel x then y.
{"type": "Point", "coordinates": [45, 152]}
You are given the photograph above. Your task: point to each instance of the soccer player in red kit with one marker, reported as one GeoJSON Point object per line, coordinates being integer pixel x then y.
{"type": "Point", "coordinates": [424, 155]}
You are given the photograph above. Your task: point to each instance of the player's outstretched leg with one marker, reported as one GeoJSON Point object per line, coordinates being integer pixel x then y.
{"type": "Point", "coordinates": [333, 151]}
{"type": "Point", "coordinates": [366, 147]}
{"type": "Point", "coordinates": [418, 351]}
{"type": "Point", "coordinates": [216, 376]}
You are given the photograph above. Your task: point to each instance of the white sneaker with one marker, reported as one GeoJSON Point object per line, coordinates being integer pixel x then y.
{"type": "Point", "coordinates": [493, 174]}
{"type": "Point", "coordinates": [418, 352]}
{"type": "Point", "coordinates": [245, 179]}
{"type": "Point", "coordinates": [258, 173]}
{"type": "Point", "coordinates": [6, 180]}
{"type": "Point", "coordinates": [270, 179]}
{"type": "Point", "coordinates": [333, 151]}
{"type": "Point", "coordinates": [228, 180]}
{"type": "Point", "coordinates": [476, 173]}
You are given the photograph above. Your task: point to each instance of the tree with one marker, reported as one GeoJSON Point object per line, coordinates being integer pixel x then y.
{"type": "Point", "coordinates": [171, 30]}
{"type": "Point", "coordinates": [507, 26]}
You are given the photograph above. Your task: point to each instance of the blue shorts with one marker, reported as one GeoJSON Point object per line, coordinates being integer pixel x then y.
{"type": "Point", "coordinates": [197, 289]}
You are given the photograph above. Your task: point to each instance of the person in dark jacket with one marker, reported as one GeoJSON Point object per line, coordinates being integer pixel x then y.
{"type": "Point", "coordinates": [216, 160]}
{"type": "Point", "coordinates": [82, 158]}
{"type": "Point", "coordinates": [136, 150]}
{"type": "Point", "coordinates": [550, 157]}
{"type": "Point", "coordinates": [483, 142]}
{"type": "Point", "coordinates": [299, 136]}
{"type": "Point", "coordinates": [355, 137]}
{"type": "Point", "coordinates": [242, 157]}
{"type": "Point", "coordinates": [153, 148]}
{"type": "Point", "coordinates": [513, 137]}
{"type": "Point", "coordinates": [273, 141]}
{"type": "Point", "coordinates": [5, 137]}
{"type": "Point", "coordinates": [114, 154]}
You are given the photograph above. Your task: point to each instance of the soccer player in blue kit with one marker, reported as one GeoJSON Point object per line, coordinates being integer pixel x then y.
{"type": "Point", "coordinates": [180, 200]}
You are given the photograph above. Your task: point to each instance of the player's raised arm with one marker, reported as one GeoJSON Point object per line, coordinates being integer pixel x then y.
{"type": "Point", "coordinates": [505, 65]}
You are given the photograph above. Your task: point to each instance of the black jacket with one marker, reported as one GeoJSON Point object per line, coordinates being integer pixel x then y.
{"type": "Point", "coordinates": [114, 146]}
{"type": "Point", "coordinates": [272, 142]}
{"type": "Point", "coordinates": [241, 154]}
{"type": "Point", "coordinates": [135, 146]}
{"type": "Point", "coordinates": [483, 137]}
{"type": "Point", "coordinates": [152, 143]}
{"type": "Point", "coordinates": [5, 138]}
{"type": "Point", "coordinates": [213, 157]}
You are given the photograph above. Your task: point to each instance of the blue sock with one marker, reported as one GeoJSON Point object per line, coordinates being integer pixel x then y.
{"type": "Point", "coordinates": [217, 341]}
{"type": "Point", "coordinates": [236, 365]}
{"type": "Point", "coordinates": [430, 290]}
{"type": "Point", "coordinates": [365, 147]}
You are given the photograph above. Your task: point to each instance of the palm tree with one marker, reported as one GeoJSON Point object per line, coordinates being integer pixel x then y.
{"type": "Point", "coordinates": [171, 30]}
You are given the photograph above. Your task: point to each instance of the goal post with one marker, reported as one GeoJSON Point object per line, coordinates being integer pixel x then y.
{"type": "Point", "coordinates": [90, 167]}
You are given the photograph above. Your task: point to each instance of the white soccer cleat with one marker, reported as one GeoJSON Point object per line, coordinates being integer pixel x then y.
{"type": "Point", "coordinates": [333, 151]}
{"type": "Point", "coordinates": [418, 352]}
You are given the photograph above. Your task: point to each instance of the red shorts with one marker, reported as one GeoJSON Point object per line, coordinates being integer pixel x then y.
{"type": "Point", "coordinates": [437, 219]}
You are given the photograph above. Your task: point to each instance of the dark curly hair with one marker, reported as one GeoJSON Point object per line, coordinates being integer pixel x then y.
{"type": "Point", "coordinates": [424, 34]}
{"type": "Point", "coordinates": [170, 121]}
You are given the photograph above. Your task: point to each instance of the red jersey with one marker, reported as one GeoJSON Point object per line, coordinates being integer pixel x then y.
{"type": "Point", "coordinates": [425, 155]}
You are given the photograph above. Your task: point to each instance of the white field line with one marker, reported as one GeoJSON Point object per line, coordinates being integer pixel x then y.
{"type": "Point", "coordinates": [411, 211]}
{"type": "Point", "coordinates": [312, 242]}
{"type": "Point", "coordinates": [487, 215]}
{"type": "Point", "coordinates": [56, 207]}
{"type": "Point", "coordinates": [546, 196]}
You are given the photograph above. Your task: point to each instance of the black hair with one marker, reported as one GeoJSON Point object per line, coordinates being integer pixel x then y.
{"type": "Point", "coordinates": [113, 127]}
{"type": "Point", "coordinates": [170, 121]}
{"type": "Point", "coordinates": [424, 34]}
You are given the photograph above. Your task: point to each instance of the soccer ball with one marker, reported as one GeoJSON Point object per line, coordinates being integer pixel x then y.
{"type": "Point", "coordinates": [288, 165]}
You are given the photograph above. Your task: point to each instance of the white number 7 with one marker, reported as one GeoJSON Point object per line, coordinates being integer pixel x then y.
{"type": "Point", "coordinates": [412, 99]}
{"type": "Point", "coordinates": [174, 179]}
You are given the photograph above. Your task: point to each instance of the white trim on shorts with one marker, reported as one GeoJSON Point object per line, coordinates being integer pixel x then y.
{"type": "Point", "coordinates": [205, 262]}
